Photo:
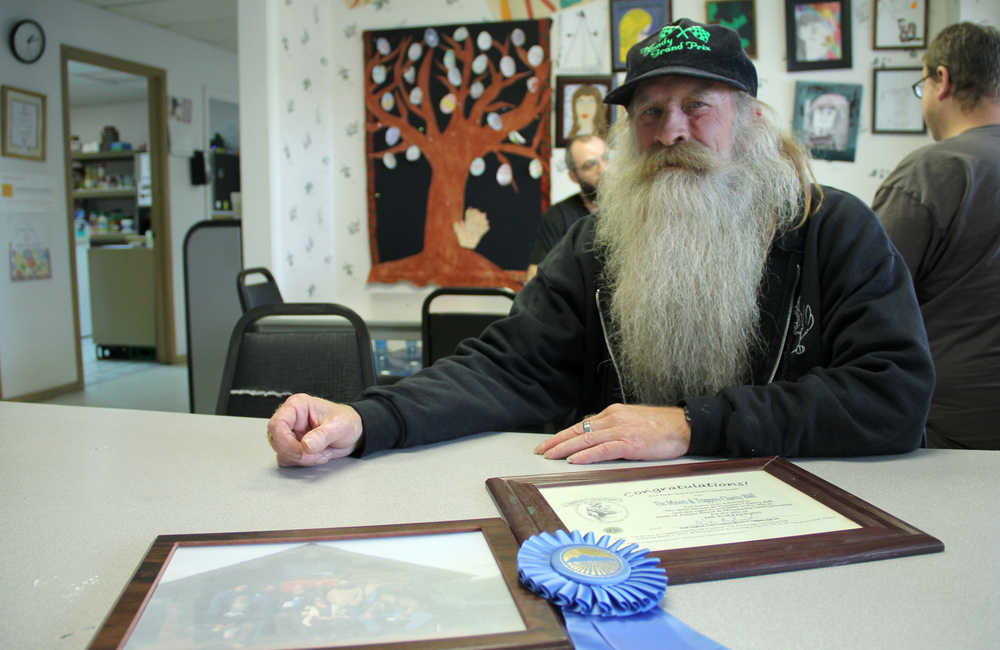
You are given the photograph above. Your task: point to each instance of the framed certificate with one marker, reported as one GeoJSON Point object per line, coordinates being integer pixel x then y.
{"type": "Point", "coordinates": [712, 520]}
{"type": "Point", "coordinates": [23, 123]}
{"type": "Point", "coordinates": [429, 585]}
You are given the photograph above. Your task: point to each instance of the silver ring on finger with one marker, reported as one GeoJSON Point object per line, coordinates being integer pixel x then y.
{"type": "Point", "coordinates": [586, 426]}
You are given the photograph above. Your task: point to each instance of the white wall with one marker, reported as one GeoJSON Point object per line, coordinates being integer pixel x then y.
{"type": "Point", "coordinates": [37, 350]}
{"type": "Point", "coordinates": [130, 118]}
{"type": "Point", "coordinates": [316, 242]}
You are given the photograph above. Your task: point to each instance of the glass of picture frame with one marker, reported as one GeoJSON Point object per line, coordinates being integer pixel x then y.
{"type": "Point", "coordinates": [23, 123]}
{"type": "Point", "coordinates": [580, 107]}
{"type": "Point", "coordinates": [818, 34]}
{"type": "Point", "coordinates": [900, 24]}
{"type": "Point", "coordinates": [739, 15]}
{"type": "Point", "coordinates": [895, 109]}
{"type": "Point", "coordinates": [632, 21]}
{"type": "Point", "coordinates": [440, 585]}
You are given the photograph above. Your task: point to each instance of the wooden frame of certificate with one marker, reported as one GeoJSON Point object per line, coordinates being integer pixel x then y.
{"type": "Point", "coordinates": [713, 520]}
{"type": "Point", "coordinates": [447, 584]}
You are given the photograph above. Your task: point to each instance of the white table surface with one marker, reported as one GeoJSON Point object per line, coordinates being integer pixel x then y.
{"type": "Point", "coordinates": [85, 491]}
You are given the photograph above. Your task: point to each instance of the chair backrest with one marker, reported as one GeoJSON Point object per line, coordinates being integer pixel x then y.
{"type": "Point", "coordinates": [311, 353]}
{"type": "Point", "coordinates": [442, 331]}
{"type": "Point", "coordinates": [257, 293]}
{"type": "Point", "coordinates": [213, 254]}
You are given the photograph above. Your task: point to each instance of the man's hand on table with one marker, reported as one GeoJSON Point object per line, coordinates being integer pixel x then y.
{"type": "Point", "coordinates": [631, 432]}
{"type": "Point", "coordinates": [308, 430]}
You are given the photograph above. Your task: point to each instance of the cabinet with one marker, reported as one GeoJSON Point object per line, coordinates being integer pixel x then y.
{"type": "Point", "coordinates": [122, 297]}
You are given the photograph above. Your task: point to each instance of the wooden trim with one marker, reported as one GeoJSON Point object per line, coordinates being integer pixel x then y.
{"type": "Point", "coordinates": [156, 97]}
{"type": "Point", "coordinates": [48, 393]}
{"type": "Point", "coordinates": [70, 234]}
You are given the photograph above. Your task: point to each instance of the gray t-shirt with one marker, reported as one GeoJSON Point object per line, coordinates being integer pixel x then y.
{"type": "Point", "coordinates": [941, 207]}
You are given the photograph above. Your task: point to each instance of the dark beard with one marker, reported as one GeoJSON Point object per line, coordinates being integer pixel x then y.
{"type": "Point", "coordinates": [588, 191]}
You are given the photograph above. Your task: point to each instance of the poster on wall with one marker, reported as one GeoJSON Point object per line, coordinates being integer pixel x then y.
{"type": "Point", "coordinates": [583, 39]}
{"type": "Point", "coordinates": [826, 118]}
{"type": "Point", "coordinates": [457, 151]}
{"type": "Point", "coordinates": [26, 208]}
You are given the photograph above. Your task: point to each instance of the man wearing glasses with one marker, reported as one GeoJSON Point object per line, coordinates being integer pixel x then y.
{"type": "Point", "coordinates": [586, 158]}
{"type": "Point", "coordinates": [941, 207]}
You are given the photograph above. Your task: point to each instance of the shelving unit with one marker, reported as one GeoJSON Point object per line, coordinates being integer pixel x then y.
{"type": "Point", "coordinates": [120, 268]}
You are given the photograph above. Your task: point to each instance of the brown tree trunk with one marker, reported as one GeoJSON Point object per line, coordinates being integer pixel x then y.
{"type": "Point", "coordinates": [442, 261]}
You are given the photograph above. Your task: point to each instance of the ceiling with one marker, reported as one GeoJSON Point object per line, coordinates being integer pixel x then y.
{"type": "Point", "coordinates": [210, 21]}
{"type": "Point", "coordinates": [92, 84]}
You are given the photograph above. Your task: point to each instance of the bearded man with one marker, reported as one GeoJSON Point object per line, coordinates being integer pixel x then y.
{"type": "Point", "coordinates": [720, 303]}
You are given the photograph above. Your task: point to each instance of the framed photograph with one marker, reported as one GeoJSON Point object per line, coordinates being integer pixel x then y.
{"type": "Point", "coordinates": [436, 585]}
{"type": "Point", "coordinates": [738, 15]}
{"type": "Point", "coordinates": [632, 21]}
{"type": "Point", "coordinates": [900, 24]}
{"type": "Point", "coordinates": [827, 117]}
{"type": "Point", "coordinates": [895, 109]}
{"type": "Point", "coordinates": [712, 520]}
{"type": "Point", "coordinates": [818, 34]}
{"type": "Point", "coordinates": [580, 107]}
{"type": "Point", "coordinates": [23, 123]}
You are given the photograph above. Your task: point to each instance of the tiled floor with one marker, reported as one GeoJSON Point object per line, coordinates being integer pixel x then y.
{"type": "Point", "coordinates": [117, 383]}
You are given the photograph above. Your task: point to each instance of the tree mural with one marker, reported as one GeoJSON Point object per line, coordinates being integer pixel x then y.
{"type": "Point", "coordinates": [458, 148]}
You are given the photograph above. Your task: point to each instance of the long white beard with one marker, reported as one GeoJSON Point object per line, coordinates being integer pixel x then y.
{"type": "Point", "coordinates": [686, 250]}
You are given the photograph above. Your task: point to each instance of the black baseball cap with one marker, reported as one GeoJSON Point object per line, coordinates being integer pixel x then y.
{"type": "Point", "coordinates": [690, 49]}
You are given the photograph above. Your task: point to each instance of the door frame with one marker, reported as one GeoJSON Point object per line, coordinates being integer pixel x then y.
{"type": "Point", "coordinates": [156, 99]}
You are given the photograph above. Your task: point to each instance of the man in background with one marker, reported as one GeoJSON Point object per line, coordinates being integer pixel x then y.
{"type": "Point", "coordinates": [586, 158]}
{"type": "Point", "coordinates": [941, 207]}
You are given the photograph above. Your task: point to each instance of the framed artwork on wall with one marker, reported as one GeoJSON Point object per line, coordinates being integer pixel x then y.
{"type": "Point", "coordinates": [738, 15]}
{"type": "Point", "coordinates": [827, 117]}
{"type": "Point", "coordinates": [818, 34]}
{"type": "Point", "coordinates": [895, 108]}
{"type": "Point", "coordinates": [580, 107]}
{"type": "Point", "coordinates": [900, 24]}
{"type": "Point", "coordinates": [447, 215]}
{"type": "Point", "coordinates": [632, 21]}
{"type": "Point", "coordinates": [23, 123]}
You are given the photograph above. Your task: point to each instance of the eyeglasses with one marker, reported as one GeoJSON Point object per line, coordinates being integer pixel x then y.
{"type": "Point", "coordinates": [918, 88]}
{"type": "Point", "coordinates": [594, 162]}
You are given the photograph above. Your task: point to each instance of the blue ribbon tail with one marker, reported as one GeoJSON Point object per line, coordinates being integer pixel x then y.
{"type": "Point", "coordinates": [651, 630]}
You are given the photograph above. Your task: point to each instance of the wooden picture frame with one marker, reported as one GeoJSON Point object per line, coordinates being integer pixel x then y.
{"type": "Point", "coordinates": [739, 15]}
{"type": "Point", "coordinates": [900, 24]}
{"type": "Point", "coordinates": [580, 107]}
{"type": "Point", "coordinates": [632, 21]}
{"type": "Point", "coordinates": [895, 109]}
{"type": "Point", "coordinates": [394, 586]}
{"type": "Point", "coordinates": [877, 535]}
{"type": "Point", "coordinates": [818, 34]}
{"type": "Point", "coordinates": [23, 123]}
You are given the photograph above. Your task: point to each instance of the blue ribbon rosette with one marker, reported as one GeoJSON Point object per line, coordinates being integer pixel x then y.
{"type": "Point", "coordinates": [609, 592]}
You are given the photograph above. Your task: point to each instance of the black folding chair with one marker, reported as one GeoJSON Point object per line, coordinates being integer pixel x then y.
{"type": "Point", "coordinates": [442, 331]}
{"type": "Point", "coordinates": [311, 353]}
{"type": "Point", "coordinates": [257, 293]}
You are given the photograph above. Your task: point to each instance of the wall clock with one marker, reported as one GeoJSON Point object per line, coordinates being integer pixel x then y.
{"type": "Point", "coordinates": [27, 40]}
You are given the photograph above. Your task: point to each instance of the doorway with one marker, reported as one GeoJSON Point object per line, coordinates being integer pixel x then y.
{"type": "Point", "coordinates": [118, 210]}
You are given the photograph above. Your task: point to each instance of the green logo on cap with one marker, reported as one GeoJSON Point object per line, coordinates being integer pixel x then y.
{"type": "Point", "coordinates": [674, 38]}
